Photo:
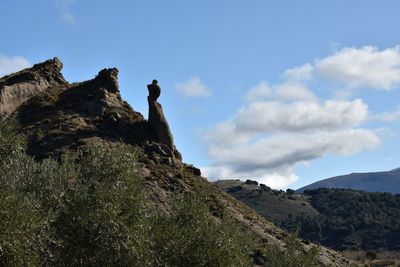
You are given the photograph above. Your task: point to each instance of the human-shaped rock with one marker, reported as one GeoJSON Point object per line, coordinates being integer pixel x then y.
{"type": "Point", "coordinates": [157, 119]}
{"type": "Point", "coordinates": [154, 90]}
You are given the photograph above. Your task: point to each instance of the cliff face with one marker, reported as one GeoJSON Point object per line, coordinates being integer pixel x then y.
{"type": "Point", "coordinates": [57, 117]}
{"type": "Point", "coordinates": [16, 88]}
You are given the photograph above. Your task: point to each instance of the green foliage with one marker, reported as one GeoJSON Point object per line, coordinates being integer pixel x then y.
{"type": "Point", "coordinates": [20, 234]}
{"type": "Point", "coordinates": [289, 191]}
{"type": "Point", "coordinates": [10, 142]}
{"type": "Point", "coordinates": [98, 210]}
{"type": "Point", "coordinates": [292, 256]}
{"type": "Point", "coordinates": [190, 236]}
{"type": "Point", "coordinates": [351, 219]}
{"type": "Point", "coordinates": [372, 254]}
{"type": "Point", "coordinates": [89, 209]}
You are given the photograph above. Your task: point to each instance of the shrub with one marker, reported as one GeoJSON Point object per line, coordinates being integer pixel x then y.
{"type": "Point", "coordinates": [191, 236]}
{"type": "Point", "coordinates": [292, 256]}
{"type": "Point", "coordinates": [10, 142]}
{"type": "Point", "coordinates": [89, 209]}
{"type": "Point", "coordinates": [372, 254]}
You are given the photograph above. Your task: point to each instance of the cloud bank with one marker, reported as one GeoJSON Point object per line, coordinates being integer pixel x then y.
{"type": "Point", "coordinates": [283, 125]}
{"type": "Point", "coordinates": [364, 67]}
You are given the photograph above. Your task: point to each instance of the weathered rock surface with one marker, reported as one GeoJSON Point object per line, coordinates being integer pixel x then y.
{"type": "Point", "coordinates": [56, 116]}
{"type": "Point", "coordinates": [17, 88]}
{"type": "Point", "coordinates": [157, 120]}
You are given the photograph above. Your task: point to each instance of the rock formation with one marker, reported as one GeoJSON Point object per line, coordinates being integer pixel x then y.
{"type": "Point", "coordinates": [157, 119]}
{"type": "Point", "coordinates": [16, 88]}
{"type": "Point", "coordinates": [57, 117]}
{"type": "Point", "coordinates": [44, 104]}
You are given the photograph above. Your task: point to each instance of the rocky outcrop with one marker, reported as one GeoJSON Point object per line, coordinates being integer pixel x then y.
{"type": "Point", "coordinates": [55, 115]}
{"type": "Point", "coordinates": [17, 88]}
{"type": "Point", "coordinates": [157, 119]}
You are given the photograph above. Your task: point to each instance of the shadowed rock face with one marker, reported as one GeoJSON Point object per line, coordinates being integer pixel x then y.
{"type": "Point", "coordinates": [17, 88]}
{"type": "Point", "coordinates": [157, 119]}
{"type": "Point", "coordinates": [55, 115]}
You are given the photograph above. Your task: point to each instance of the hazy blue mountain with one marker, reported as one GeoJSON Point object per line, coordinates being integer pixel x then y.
{"type": "Point", "coordinates": [387, 181]}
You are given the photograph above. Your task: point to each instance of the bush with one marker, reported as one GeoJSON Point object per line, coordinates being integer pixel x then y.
{"type": "Point", "coordinates": [289, 191]}
{"type": "Point", "coordinates": [372, 254]}
{"type": "Point", "coordinates": [191, 236]}
{"type": "Point", "coordinates": [10, 142]}
{"type": "Point", "coordinates": [98, 210]}
{"type": "Point", "coordinates": [20, 234]}
{"type": "Point", "coordinates": [292, 256]}
{"type": "Point", "coordinates": [89, 209]}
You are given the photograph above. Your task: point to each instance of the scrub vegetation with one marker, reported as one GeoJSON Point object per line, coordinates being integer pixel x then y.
{"type": "Point", "coordinates": [90, 209]}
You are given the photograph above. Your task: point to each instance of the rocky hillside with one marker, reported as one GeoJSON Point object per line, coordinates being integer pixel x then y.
{"type": "Point", "coordinates": [274, 205]}
{"type": "Point", "coordinates": [387, 181]}
{"type": "Point", "coordinates": [57, 117]}
{"type": "Point", "coordinates": [342, 219]}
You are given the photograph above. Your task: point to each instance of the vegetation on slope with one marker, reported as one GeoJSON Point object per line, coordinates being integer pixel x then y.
{"type": "Point", "coordinates": [351, 219]}
{"type": "Point", "coordinates": [89, 209]}
{"type": "Point", "coordinates": [342, 219]}
{"type": "Point", "coordinates": [274, 205]}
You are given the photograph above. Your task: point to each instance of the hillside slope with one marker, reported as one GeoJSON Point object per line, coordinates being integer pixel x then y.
{"type": "Point", "coordinates": [343, 219]}
{"type": "Point", "coordinates": [57, 117]}
{"type": "Point", "coordinates": [388, 181]}
{"type": "Point", "coordinates": [274, 205]}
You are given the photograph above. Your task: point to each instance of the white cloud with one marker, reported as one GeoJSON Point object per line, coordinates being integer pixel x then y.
{"type": "Point", "coordinates": [284, 125]}
{"type": "Point", "coordinates": [363, 67]}
{"type": "Point", "coordinates": [271, 117]}
{"type": "Point", "coordinates": [389, 116]}
{"type": "Point", "coordinates": [290, 91]}
{"type": "Point", "coordinates": [287, 91]}
{"type": "Point", "coordinates": [65, 8]}
{"type": "Point", "coordinates": [259, 92]}
{"type": "Point", "coordinates": [193, 88]}
{"type": "Point", "coordinates": [272, 159]}
{"type": "Point", "coordinates": [12, 64]}
{"type": "Point", "coordinates": [273, 178]}
{"type": "Point", "coordinates": [300, 73]}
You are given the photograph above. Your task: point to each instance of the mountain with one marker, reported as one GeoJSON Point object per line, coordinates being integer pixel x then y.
{"type": "Point", "coordinates": [387, 181]}
{"type": "Point", "coordinates": [57, 119]}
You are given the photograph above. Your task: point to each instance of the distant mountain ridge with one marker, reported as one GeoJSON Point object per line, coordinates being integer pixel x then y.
{"type": "Point", "coordinates": [385, 181]}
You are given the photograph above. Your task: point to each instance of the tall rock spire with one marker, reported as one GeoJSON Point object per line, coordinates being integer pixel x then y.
{"type": "Point", "coordinates": [157, 119]}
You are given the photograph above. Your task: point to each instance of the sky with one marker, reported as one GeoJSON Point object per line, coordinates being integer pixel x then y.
{"type": "Point", "coordinates": [283, 92]}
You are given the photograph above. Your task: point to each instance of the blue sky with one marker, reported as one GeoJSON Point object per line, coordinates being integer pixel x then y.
{"type": "Point", "coordinates": [283, 92]}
